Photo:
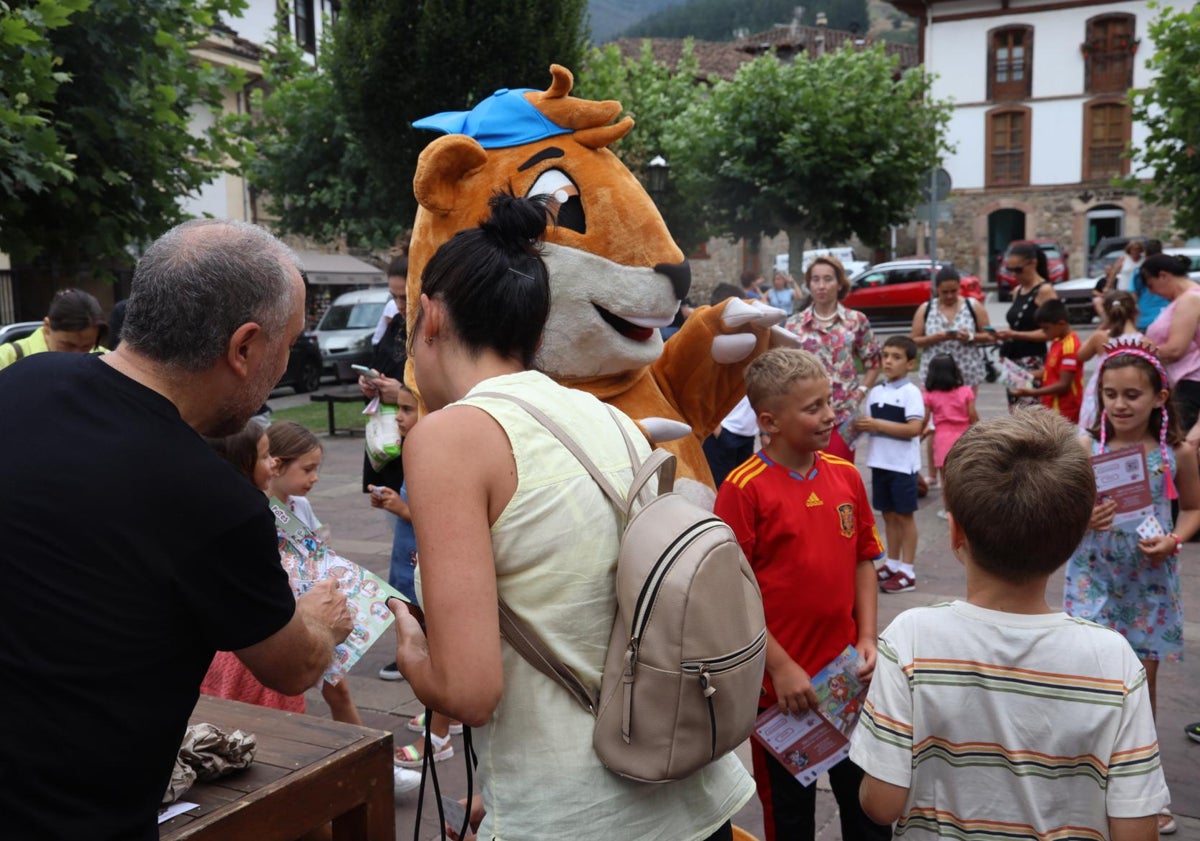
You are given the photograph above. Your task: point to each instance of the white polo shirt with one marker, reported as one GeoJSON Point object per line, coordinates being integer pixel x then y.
{"type": "Point", "coordinates": [898, 401]}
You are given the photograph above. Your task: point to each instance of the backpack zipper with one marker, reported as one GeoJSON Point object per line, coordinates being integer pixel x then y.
{"type": "Point", "coordinates": [716, 665]}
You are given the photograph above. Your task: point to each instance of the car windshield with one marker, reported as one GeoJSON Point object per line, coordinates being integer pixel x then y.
{"type": "Point", "coordinates": [351, 317]}
{"type": "Point", "coordinates": [1051, 252]}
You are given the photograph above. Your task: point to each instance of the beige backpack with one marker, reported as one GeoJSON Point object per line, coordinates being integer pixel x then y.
{"type": "Point", "coordinates": [685, 661]}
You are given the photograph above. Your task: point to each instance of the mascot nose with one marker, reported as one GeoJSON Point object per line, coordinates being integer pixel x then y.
{"type": "Point", "coordinates": [680, 275]}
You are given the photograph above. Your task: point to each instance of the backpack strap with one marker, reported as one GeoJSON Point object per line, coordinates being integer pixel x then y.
{"type": "Point", "coordinates": [20, 351]}
{"type": "Point", "coordinates": [528, 644]}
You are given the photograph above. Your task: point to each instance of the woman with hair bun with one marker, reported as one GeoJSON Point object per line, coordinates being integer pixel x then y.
{"type": "Point", "coordinates": [1176, 331]}
{"type": "Point", "coordinates": [502, 509]}
{"type": "Point", "coordinates": [74, 324]}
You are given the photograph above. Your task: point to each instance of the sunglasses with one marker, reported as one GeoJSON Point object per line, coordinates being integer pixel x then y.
{"type": "Point", "coordinates": [1017, 269]}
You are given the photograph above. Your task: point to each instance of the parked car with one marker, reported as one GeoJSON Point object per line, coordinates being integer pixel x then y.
{"type": "Point", "coordinates": [894, 290]}
{"type": "Point", "coordinates": [304, 365]}
{"type": "Point", "coordinates": [344, 331]}
{"type": "Point", "coordinates": [1106, 251]}
{"type": "Point", "coordinates": [1056, 264]}
{"type": "Point", "coordinates": [17, 330]}
{"type": "Point", "coordinates": [1077, 294]}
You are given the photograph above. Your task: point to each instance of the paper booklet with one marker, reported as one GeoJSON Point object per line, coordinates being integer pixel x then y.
{"type": "Point", "coordinates": [1012, 376]}
{"type": "Point", "coordinates": [811, 743]}
{"type": "Point", "coordinates": [308, 559]}
{"type": "Point", "coordinates": [1122, 476]}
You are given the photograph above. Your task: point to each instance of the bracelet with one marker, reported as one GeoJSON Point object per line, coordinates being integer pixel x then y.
{"type": "Point", "coordinates": [1178, 541]}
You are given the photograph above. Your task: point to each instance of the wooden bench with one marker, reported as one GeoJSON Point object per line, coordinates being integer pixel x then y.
{"type": "Point", "coordinates": [333, 396]}
{"type": "Point", "coordinates": [306, 772]}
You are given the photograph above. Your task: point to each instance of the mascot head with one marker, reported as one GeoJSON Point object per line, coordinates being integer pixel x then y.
{"type": "Point", "coordinates": [615, 273]}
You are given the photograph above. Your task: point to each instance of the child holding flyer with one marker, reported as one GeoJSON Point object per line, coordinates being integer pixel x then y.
{"type": "Point", "coordinates": [802, 517]}
{"type": "Point", "coordinates": [1125, 573]}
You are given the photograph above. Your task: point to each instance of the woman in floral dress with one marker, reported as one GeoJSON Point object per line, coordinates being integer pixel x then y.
{"type": "Point", "coordinates": [838, 337]}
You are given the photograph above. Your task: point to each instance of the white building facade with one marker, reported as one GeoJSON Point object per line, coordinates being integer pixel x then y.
{"type": "Point", "coordinates": [1041, 122]}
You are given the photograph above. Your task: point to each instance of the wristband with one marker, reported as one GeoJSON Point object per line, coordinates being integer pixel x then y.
{"type": "Point", "coordinates": [1178, 541]}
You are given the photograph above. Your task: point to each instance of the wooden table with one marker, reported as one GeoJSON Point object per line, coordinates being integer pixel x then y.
{"type": "Point", "coordinates": [306, 772]}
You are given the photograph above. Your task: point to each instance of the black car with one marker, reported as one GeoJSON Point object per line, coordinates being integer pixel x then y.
{"type": "Point", "coordinates": [304, 365]}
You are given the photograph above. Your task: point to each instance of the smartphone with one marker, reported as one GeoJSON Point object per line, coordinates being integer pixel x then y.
{"type": "Point", "coordinates": [989, 329]}
{"type": "Point", "coordinates": [365, 371]}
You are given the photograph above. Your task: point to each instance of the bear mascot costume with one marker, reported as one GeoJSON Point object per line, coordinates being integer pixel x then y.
{"type": "Point", "coordinates": [616, 275]}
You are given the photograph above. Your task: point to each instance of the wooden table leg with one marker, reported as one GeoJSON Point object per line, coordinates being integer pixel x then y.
{"type": "Point", "coordinates": [332, 428]}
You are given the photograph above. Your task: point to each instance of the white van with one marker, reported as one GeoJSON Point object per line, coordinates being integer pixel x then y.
{"type": "Point", "coordinates": [845, 254]}
{"type": "Point", "coordinates": [344, 331]}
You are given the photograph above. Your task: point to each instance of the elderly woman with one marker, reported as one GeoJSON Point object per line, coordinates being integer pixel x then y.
{"type": "Point", "coordinates": [503, 509]}
{"type": "Point", "coordinates": [838, 337]}
{"type": "Point", "coordinates": [953, 325]}
{"type": "Point", "coordinates": [74, 324]}
{"type": "Point", "coordinates": [1176, 331]}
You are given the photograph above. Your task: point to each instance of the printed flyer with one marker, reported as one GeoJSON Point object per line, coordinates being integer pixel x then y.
{"type": "Point", "coordinates": [307, 560]}
{"type": "Point", "coordinates": [811, 743]}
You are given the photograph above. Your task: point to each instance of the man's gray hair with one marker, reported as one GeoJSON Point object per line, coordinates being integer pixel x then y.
{"type": "Point", "coordinates": [201, 281]}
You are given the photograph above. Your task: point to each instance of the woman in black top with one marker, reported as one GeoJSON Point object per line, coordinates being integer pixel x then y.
{"type": "Point", "coordinates": [1024, 342]}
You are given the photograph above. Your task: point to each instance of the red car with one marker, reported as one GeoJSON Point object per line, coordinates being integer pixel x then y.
{"type": "Point", "coordinates": [1056, 263]}
{"type": "Point", "coordinates": [894, 290]}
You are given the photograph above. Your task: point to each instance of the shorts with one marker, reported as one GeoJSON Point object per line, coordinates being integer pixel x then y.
{"type": "Point", "coordinates": [892, 490]}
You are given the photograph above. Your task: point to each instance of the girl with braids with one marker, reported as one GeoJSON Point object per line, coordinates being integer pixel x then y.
{"type": "Point", "coordinates": [502, 508]}
{"type": "Point", "coordinates": [1115, 578]}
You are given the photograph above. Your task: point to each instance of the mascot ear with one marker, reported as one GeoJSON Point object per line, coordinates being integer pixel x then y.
{"type": "Point", "coordinates": [443, 166]}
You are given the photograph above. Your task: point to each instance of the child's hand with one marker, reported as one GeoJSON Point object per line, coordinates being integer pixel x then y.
{"type": "Point", "coordinates": [793, 688]}
{"type": "Point", "coordinates": [1022, 392]}
{"type": "Point", "coordinates": [1157, 549]}
{"type": "Point", "coordinates": [865, 425]}
{"type": "Point", "coordinates": [1102, 515]}
{"type": "Point", "coordinates": [382, 496]}
{"type": "Point", "coordinates": [866, 650]}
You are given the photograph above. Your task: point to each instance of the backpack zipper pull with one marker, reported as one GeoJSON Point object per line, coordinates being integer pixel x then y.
{"type": "Point", "coordinates": [627, 689]}
{"type": "Point", "coordinates": [709, 691]}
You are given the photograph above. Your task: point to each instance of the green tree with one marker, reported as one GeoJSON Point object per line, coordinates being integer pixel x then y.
{"type": "Point", "coordinates": [32, 155]}
{"type": "Point", "coordinates": [654, 95]}
{"type": "Point", "coordinates": [395, 61]}
{"type": "Point", "coordinates": [1168, 107]}
{"type": "Point", "coordinates": [821, 149]}
{"type": "Point", "coordinates": [301, 158]}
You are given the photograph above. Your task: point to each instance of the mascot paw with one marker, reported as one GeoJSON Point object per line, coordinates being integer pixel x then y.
{"type": "Point", "coordinates": [784, 338]}
{"type": "Point", "coordinates": [726, 350]}
{"type": "Point", "coordinates": [738, 313]}
{"type": "Point", "coordinates": [660, 430]}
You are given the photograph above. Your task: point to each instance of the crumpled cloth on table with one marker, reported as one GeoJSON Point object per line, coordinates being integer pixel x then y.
{"type": "Point", "coordinates": [207, 753]}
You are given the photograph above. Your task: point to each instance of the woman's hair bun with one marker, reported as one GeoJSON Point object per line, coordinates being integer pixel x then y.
{"type": "Point", "coordinates": [516, 225]}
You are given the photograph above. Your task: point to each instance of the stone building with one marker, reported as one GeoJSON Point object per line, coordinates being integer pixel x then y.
{"type": "Point", "coordinates": [1041, 122]}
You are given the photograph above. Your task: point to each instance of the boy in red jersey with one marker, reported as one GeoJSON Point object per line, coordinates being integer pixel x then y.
{"type": "Point", "coordinates": [1062, 378]}
{"type": "Point", "coordinates": [803, 519]}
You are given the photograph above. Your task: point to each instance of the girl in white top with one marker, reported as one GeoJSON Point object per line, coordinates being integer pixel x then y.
{"type": "Point", "coordinates": [501, 508]}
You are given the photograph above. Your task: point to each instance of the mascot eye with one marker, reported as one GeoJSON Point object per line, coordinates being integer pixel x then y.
{"type": "Point", "coordinates": [556, 184]}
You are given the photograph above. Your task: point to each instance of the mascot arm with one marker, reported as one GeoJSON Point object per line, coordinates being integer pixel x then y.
{"type": "Point", "coordinates": [701, 367]}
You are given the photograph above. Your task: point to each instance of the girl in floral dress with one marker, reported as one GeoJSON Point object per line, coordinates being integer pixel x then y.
{"type": "Point", "coordinates": [1117, 578]}
{"type": "Point", "coordinates": [837, 336]}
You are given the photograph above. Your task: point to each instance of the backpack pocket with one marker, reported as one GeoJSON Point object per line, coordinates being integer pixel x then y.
{"type": "Point", "coordinates": [721, 682]}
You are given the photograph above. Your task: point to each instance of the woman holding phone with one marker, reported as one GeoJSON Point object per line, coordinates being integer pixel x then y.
{"type": "Point", "coordinates": [953, 325]}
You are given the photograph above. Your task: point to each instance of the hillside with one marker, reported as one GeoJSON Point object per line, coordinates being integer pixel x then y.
{"type": "Point", "coordinates": [609, 18]}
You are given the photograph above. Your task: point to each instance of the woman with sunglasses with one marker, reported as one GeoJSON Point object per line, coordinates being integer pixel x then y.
{"type": "Point", "coordinates": [1024, 342]}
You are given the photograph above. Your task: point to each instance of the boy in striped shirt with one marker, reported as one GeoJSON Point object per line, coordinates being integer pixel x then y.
{"type": "Point", "coordinates": [999, 716]}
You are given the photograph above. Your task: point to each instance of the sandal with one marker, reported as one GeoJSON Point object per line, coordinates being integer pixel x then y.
{"type": "Point", "coordinates": [1193, 731]}
{"type": "Point", "coordinates": [417, 725]}
{"type": "Point", "coordinates": [1167, 826]}
{"type": "Point", "coordinates": [410, 756]}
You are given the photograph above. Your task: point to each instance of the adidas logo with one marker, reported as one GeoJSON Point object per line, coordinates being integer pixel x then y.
{"type": "Point", "coordinates": [813, 500]}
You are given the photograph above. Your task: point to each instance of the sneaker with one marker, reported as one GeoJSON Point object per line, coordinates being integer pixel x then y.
{"type": "Point", "coordinates": [390, 672]}
{"type": "Point", "coordinates": [899, 583]}
{"type": "Point", "coordinates": [883, 573]}
{"type": "Point", "coordinates": [404, 781]}
{"type": "Point", "coordinates": [942, 515]}
{"type": "Point", "coordinates": [417, 725]}
{"type": "Point", "coordinates": [1193, 731]}
{"type": "Point", "coordinates": [409, 757]}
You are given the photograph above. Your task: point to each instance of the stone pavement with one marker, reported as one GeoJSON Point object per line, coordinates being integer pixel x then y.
{"type": "Point", "coordinates": [359, 532]}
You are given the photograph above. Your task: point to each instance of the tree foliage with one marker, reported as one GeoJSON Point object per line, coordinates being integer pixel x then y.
{"type": "Point", "coordinates": [1168, 107]}
{"type": "Point", "coordinates": [302, 160]}
{"type": "Point", "coordinates": [32, 155]}
{"type": "Point", "coordinates": [395, 61]}
{"type": "Point", "coordinates": [716, 20]}
{"type": "Point", "coordinates": [821, 149]}
{"type": "Point", "coordinates": [123, 121]}
{"type": "Point", "coordinates": [654, 95]}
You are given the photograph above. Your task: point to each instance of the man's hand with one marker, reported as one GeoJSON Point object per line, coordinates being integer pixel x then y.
{"type": "Point", "coordinates": [324, 607]}
{"type": "Point", "coordinates": [793, 688]}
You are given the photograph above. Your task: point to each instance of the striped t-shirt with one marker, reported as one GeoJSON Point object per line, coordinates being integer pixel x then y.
{"type": "Point", "coordinates": [1009, 726]}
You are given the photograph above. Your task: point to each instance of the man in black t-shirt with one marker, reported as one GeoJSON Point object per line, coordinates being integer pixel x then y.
{"type": "Point", "coordinates": [115, 599]}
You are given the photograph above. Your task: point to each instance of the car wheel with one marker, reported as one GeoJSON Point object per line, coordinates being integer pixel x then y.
{"type": "Point", "coordinates": [309, 379]}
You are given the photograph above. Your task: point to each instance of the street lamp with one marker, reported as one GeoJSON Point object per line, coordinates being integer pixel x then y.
{"type": "Point", "coordinates": [657, 174]}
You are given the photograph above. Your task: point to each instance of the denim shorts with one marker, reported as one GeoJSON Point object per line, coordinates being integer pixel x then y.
{"type": "Point", "coordinates": [893, 491]}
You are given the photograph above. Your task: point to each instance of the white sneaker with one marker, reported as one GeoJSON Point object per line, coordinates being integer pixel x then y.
{"type": "Point", "coordinates": [404, 780]}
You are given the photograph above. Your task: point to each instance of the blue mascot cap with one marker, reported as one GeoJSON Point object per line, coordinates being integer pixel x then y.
{"type": "Point", "coordinates": [506, 118]}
